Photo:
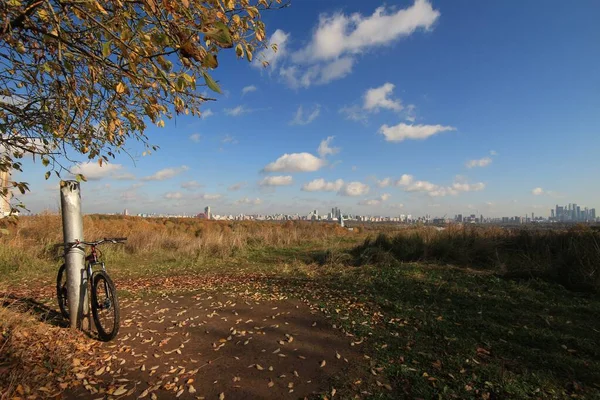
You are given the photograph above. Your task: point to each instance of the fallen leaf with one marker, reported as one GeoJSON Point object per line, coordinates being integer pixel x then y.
{"type": "Point", "coordinates": [323, 363]}
{"type": "Point", "coordinates": [222, 396]}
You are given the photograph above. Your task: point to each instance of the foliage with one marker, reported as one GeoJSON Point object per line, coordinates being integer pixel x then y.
{"type": "Point", "coordinates": [570, 257]}
{"type": "Point", "coordinates": [83, 77]}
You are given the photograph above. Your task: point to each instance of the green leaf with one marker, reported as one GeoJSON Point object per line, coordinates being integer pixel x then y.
{"type": "Point", "coordinates": [210, 82]}
{"type": "Point", "coordinates": [210, 61]}
{"type": "Point", "coordinates": [106, 49]}
{"type": "Point", "coordinates": [80, 178]}
{"type": "Point", "coordinates": [220, 35]}
{"type": "Point", "coordinates": [45, 161]}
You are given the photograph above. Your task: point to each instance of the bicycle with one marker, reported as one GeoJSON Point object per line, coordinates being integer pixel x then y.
{"type": "Point", "coordinates": [103, 293]}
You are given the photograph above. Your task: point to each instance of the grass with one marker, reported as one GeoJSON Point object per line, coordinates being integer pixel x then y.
{"type": "Point", "coordinates": [453, 314]}
{"type": "Point", "coordinates": [456, 333]}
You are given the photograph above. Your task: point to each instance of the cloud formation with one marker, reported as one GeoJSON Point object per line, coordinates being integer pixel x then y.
{"type": "Point", "coordinates": [354, 189]}
{"type": "Point", "coordinates": [195, 137]}
{"type": "Point", "coordinates": [375, 202]}
{"type": "Point", "coordinates": [325, 149]}
{"type": "Point", "coordinates": [237, 111]}
{"type": "Point", "coordinates": [94, 172]}
{"type": "Point", "coordinates": [191, 185]}
{"type": "Point", "coordinates": [339, 38]}
{"type": "Point", "coordinates": [295, 162]}
{"type": "Point", "coordinates": [378, 98]}
{"type": "Point", "coordinates": [409, 184]}
{"type": "Point", "coordinates": [166, 173]}
{"type": "Point", "coordinates": [482, 162]}
{"type": "Point", "coordinates": [538, 191]}
{"type": "Point", "coordinates": [402, 131]}
{"type": "Point", "coordinates": [246, 200]}
{"type": "Point", "coordinates": [340, 34]}
{"type": "Point", "coordinates": [282, 180]}
{"type": "Point", "coordinates": [270, 56]}
{"type": "Point", "coordinates": [305, 118]}
{"type": "Point", "coordinates": [248, 89]}
{"type": "Point", "coordinates": [320, 185]}
{"type": "Point", "coordinates": [236, 186]}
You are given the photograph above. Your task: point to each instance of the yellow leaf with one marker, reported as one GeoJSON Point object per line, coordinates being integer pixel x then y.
{"type": "Point", "coordinates": [120, 88]}
{"type": "Point", "coordinates": [222, 396]}
{"type": "Point", "coordinates": [121, 390]}
{"type": "Point", "coordinates": [323, 363]}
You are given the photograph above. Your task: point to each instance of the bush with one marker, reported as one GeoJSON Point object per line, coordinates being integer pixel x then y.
{"type": "Point", "coordinates": [569, 257]}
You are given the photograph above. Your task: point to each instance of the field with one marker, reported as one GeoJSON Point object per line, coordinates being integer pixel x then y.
{"type": "Point", "coordinates": [459, 313]}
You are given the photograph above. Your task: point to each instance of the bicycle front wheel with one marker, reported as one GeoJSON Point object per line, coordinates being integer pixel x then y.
{"type": "Point", "coordinates": [105, 306]}
{"type": "Point", "coordinates": [61, 291]}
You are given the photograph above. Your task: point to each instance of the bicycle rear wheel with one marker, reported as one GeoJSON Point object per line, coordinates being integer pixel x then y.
{"type": "Point", "coordinates": [61, 291]}
{"type": "Point", "coordinates": [105, 306]}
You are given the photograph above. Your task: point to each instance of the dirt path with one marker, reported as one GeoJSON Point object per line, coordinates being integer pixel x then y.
{"type": "Point", "coordinates": [195, 345]}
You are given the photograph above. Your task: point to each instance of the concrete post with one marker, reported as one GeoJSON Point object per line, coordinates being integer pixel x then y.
{"type": "Point", "coordinates": [70, 202]}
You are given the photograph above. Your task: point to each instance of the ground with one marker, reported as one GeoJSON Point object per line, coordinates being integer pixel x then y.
{"type": "Point", "coordinates": [406, 330]}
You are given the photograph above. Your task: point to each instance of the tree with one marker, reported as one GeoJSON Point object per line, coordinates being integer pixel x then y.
{"type": "Point", "coordinates": [85, 76]}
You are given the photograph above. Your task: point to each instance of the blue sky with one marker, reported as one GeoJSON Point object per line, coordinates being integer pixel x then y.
{"type": "Point", "coordinates": [429, 106]}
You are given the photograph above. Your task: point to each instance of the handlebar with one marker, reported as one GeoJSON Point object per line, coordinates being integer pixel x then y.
{"type": "Point", "coordinates": [118, 240]}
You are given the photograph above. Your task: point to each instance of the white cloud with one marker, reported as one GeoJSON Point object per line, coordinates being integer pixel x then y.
{"type": "Point", "coordinates": [191, 185]}
{"type": "Point", "coordinates": [93, 171]}
{"type": "Point", "coordinates": [468, 187]}
{"type": "Point", "coordinates": [296, 162]}
{"type": "Point", "coordinates": [340, 34]}
{"type": "Point", "coordinates": [374, 100]}
{"type": "Point", "coordinates": [246, 200]}
{"type": "Point", "coordinates": [375, 202]}
{"type": "Point", "coordinates": [493, 153]}
{"type": "Point", "coordinates": [236, 186]}
{"type": "Point", "coordinates": [411, 114]}
{"type": "Point", "coordinates": [404, 180]}
{"type": "Point", "coordinates": [301, 119]}
{"type": "Point", "coordinates": [277, 181]}
{"type": "Point", "coordinates": [397, 205]}
{"type": "Point", "coordinates": [173, 195]}
{"type": "Point", "coordinates": [538, 191]}
{"type": "Point", "coordinates": [354, 189]}
{"type": "Point", "coordinates": [325, 149]}
{"type": "Point", "coordinates": [433, 190]}
{"type": "Point", "coordinates": [248, 89]}
{"type": "Point", "coordinates": [278, 38]}
{"type": "Point", "coordinates": [320, 185]}
{"type": "Point", "coordinates": [237, 111]}
{"type": "Point", "coordinates": [195, 137]}
{"type": "Point", "coordinates": [377, 98]}
{"type": "Point", "coordinates": [207, 113]}
{"type": "Point", "coordinates": [335, 70]}
{"type": "Point", "coordinates": [403, 131]}
{"type": "Point", "coordinates": [229, 139]}
{"type": "Point", "coordinates": [320, 74]}
{"type": "Point", "coordinates": [210, 196]}
{"type": "Point", "coordinates": [354, 113]}
{"type": "Point", "coordinates": [482, 162]}
{"type": "Point", "coordinates": [166, 173]}
{"type": "Point", "coordinates": [124, 177]}
{"type": "Point", "coordinates": [384, 182]}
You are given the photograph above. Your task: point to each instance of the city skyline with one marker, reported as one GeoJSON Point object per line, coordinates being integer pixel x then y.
{"type": "Point", "coordinates": [448, 111]}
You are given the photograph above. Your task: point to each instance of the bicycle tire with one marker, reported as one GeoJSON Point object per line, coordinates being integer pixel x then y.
{"type": "Point", "coordinates": [102, 282]}
{"type": "Point", "coordinates": [61, 291]}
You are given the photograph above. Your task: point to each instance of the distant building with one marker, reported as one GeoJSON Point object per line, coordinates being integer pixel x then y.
{"type": "Point", "coordinates": [207, 213]}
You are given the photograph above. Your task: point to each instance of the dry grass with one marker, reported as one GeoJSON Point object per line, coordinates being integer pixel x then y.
{"type": "Point", "coordinates": [31, 242]}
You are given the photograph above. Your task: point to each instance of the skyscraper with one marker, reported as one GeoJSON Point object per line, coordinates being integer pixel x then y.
{"type": "Point", "coordinates": [207, 212]}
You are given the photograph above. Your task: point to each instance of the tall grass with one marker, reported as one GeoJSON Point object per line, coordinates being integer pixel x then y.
{"type": "Point", "coordinates": [33, 240]}
{"type": "Point", "coordinates": [570, 257]}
